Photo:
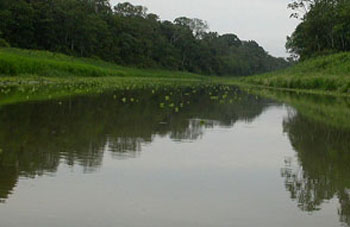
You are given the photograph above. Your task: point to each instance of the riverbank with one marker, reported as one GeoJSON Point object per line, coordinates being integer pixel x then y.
{"type": "Point", "coordinates": [20, 62]}
{"type": "Point", "coordinates": [321, 75]}
{"type": "Point", "coordinates": [27, 75]}
{"type": "Point", "coordinates": [38, 75]}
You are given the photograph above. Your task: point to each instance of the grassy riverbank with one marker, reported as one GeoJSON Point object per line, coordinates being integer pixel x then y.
{"type": "Point", "coordinates": [328, 74]}
{"type": "Point", "coordinates": [39, 75]}
{"type": "Point", "coordinates": [42, 74]}
{"type": "Point", "coordinates": [19, 62]}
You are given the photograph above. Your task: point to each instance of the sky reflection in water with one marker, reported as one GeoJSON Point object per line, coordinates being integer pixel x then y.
{"type": "Point", "coordinates": [171, 158]}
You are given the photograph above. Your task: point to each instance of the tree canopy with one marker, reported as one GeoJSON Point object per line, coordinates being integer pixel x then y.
{"type": "Point", "coordinates": [324, 27]}
{"type": "Point", "coordinates": [127, 34]}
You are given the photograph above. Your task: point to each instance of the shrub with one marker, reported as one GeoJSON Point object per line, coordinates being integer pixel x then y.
{"type": "Point", "coordinates": [3, 43]}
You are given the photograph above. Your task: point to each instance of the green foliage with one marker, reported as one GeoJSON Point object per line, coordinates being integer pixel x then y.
{"type": "Point", "coordinates": [3, 43]}
{"type": "Point", "coordinates": [15, 65]}
{"type": "Point", "coordinates": [128, 35]}
{"type": "Point", "coordinates": [326, 73]}
{"type": "Point", "coordinates": [324, 28]}
{"type": "Point", "coordinates": [14, 62]}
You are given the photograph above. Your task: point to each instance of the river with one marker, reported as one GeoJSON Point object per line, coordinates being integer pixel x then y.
{"type": "Point", "coordinates": [175, 157]}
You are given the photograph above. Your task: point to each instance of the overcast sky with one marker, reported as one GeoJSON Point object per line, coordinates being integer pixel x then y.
{"type": "Point", "coordinates": [266, 21]}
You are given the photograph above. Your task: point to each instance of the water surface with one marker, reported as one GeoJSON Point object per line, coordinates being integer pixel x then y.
{"type": "Point", "coordinates": [175, 157]}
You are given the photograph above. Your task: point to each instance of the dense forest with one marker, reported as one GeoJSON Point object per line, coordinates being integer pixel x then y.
{"type": "Point", "coordinates": [324, 28]}
{"type": "Point", "coordinates": [128, 35]}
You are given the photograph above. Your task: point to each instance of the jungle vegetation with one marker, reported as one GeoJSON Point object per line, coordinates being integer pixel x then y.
{"type": "Point", "coordinates": [322, 74]}
{"type": "Point", "coordinates": [324, 28]}
{"type": "Point", "coordinates": [128, 35]}
{"type": "Point", "coordinates": [321, 44]}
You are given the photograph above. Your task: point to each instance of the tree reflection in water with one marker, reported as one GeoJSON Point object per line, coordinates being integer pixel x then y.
{"type": "Point", "coordinates": [322, 170]}
{"type": "Point", "coordinates": [36, 137]}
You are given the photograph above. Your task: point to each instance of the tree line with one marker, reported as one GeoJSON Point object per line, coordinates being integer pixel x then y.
{"type": "Point", "coordinates": [324, 27]}
{"type": "Point", "coordinates": [128, 35]}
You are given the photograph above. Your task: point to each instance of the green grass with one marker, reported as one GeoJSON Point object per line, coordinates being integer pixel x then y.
{"type": "Point", "coordinates": [327, 74]}
{"type": "Point", "coordinates": [38, 75]}
{"type": "Point", "coordinates": [16, 62]}
{"type": "Point", "coordinates": [27, 75]}
{"type": "Point", "coordinates": [34, 88]}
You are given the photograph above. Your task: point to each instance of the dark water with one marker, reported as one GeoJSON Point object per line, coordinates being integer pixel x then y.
{"type": "Point", "coordinates": [188, 157]}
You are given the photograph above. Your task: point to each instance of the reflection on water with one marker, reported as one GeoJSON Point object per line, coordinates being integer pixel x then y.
{"type": "Point", "coordinates": [39, 138]}
{"type": "Point", "coordinates": [36, 137]}
{"type": "Point", "coordinates": [323, 165]}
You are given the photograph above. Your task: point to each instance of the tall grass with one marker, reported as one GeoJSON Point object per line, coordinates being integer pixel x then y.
{"type": "Point", "coordinates": [327, 73]}
{"type": "Point", "coordinates": [15, 62]}
{"type": "Point", "coordinates": [29, 75]}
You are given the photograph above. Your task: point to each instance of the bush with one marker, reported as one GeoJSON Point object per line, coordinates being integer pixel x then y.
{"type": "Point", "coordinates": [3, 43]}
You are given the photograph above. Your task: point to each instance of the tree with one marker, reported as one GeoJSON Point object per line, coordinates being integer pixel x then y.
{"type": "Point", "coordinates": [301, 7]}
{"type": "Point", "coordinates": [128, 10]}
{"type": "Point", "coordinates": [324, 28]}
{"type": "Point", "coordinates": [197, 26]}
{"type": "Point", "coordinates": [127, 34]}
